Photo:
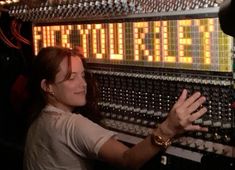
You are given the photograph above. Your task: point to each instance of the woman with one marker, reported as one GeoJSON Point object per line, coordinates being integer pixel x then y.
{"type": "Point", "coordinates": [59, 139]}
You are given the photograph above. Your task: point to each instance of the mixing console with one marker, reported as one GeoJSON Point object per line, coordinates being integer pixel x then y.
{"type": "Point", "coordinates": [134, 100]}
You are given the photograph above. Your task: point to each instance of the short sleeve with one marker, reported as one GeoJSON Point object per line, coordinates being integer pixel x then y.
{"type": "Point", "coordinates": [86, 137]}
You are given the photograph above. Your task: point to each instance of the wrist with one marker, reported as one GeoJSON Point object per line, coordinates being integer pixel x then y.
{"type": "Point", "coordinates": [162, 137]}
{"type": "Point", "coordinates": [166, 131]}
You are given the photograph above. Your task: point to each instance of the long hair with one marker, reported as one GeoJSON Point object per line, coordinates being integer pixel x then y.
{"type": "Point", "coordinates": [45, 66]}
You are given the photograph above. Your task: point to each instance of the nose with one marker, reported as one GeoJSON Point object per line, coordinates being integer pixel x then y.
{"type": "Point", "coordinates": [83, 83]}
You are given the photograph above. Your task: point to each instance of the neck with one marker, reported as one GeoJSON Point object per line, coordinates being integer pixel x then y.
{"type": "Point", "coordinates": [52, 100]}
{"type": "Point", "coordinates": [61, 106]}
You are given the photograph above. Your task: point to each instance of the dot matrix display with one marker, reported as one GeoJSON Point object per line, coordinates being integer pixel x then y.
{"type": "Point", "coordinates": [196, 44]}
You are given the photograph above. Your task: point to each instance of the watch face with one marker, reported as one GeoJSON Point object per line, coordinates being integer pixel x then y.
{"type": "Point", "coordinates": [158, 141]}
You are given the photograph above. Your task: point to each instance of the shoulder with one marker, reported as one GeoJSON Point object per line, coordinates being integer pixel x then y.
{"type": "Point", "coordinates": [82, 127]}
{"type": "Point", "coordinates": [82, 123]}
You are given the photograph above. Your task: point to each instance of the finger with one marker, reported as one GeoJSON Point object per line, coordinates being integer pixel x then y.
{"type": "Point", "coordinates": [196, 104]}
{"type": "Point", "coordinates": [196, 128]}
{"type": "Point", "coordinates": [182, 98]}
{"type": "Point", "coordinates": [194, 117]}
{"type": "Point", "coordinates": [191, 99]}
{"type": "Point", "coordinates": [197, 114]}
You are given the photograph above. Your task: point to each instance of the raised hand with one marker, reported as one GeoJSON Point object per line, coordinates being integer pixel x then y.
{"type": "Point", "coordinates": [184, 112]}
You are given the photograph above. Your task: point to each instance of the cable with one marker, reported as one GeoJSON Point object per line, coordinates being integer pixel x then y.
{"type": "Point", "coordinates": [8, 42]}
{"type": "Point", "coordinates": [15, 29]}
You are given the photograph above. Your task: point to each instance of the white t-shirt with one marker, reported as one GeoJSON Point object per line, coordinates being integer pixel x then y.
{"type": "Point", "coordinates": [60, 140]}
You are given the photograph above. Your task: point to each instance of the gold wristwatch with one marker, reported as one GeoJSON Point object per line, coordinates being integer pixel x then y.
{"type": "Point", "coordinates": [158, 141]}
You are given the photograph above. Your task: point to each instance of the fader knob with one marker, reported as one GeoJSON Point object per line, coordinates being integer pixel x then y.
{"type": "Point", "coordinates": [198, 121]}
{"type": "Point", "coordinates": [227, 138]}
{"type": "Point", "coordinates": [199, 144]}
{"type": "Point", "coordinates": [218, 148]}
{"type": "Point", "coordinates": [217, 136]}
{"type": "Point", "coordinates": [208, 146]}
{"type": "Point", "coordinates": [207, 122]}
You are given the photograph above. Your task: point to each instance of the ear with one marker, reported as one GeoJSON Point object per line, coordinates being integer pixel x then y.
{"type": "Point", "coordinates": [46, 86]}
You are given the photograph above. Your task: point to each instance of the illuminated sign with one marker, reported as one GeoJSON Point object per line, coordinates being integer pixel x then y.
{"type": "Point", "coordinates": [197, 44]}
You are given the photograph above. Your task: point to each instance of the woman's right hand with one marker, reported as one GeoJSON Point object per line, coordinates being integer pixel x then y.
{"type": "Point", "coordinates": [182, 115]}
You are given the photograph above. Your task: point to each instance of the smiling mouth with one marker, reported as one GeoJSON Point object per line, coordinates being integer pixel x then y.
{"type": "Point", "coordinates": [82, 92]}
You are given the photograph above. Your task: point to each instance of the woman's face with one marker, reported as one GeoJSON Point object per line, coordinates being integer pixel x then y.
{"type": "Point", "coordinates": [72, 92]}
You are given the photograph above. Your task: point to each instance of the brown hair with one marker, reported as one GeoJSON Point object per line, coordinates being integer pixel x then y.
{"type": "Point", "coordinates": [45, 66]}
